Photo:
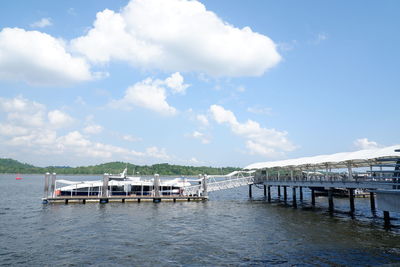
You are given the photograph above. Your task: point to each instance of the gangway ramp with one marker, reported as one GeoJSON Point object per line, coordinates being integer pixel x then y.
{"type": "Point", "coordinates": [221, 182]}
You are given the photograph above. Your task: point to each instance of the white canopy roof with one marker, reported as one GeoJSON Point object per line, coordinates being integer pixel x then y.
{"type": "Point", "coordinates": [361, 158]}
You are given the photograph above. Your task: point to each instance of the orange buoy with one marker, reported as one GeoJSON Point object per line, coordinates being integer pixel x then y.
{"type": "Point", "coordinates": [18, 178]}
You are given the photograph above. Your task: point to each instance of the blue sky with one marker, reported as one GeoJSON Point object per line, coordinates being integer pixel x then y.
{"type": "Point", "coordinates": [196, 82]}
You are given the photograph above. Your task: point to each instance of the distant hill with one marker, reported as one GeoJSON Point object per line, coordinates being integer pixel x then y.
{"type": "Point", "coordinates": [14, 166]}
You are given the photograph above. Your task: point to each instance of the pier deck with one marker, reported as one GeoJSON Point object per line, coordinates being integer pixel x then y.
{"type": "Point", "coordinates": [83, 199]}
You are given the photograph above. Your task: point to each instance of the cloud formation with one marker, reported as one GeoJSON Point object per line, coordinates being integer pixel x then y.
{"type": "Point", "coordinates": [28, 128]}
{"type": "Point", "coordinates": [39, 59]}
{"type": "Point", "coordinates": [176, 35]}
{"type": "Point", "coordinates": [364, 143]}
{"type": "Point", "coordinates": [259, 140]}
{"type": "Point", "coordinates": [152, 94]}
{"type": "Point", "coordinates": [44, 22]}
{"type": "Point", "coordinates": [201, 136]}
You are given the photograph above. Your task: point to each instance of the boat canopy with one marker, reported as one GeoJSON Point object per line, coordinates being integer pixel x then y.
{"type": "Point", "coordinates": [361, 158]}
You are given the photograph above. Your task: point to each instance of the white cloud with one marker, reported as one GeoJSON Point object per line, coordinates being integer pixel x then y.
{"type": "Point", "coordinates": [59, 119]}
{"type": "Point", "coordinates": [177, 35]}
{"type": "Point", "coordinates": [259, 110]}
{"type": "Point", "coordinates": [259, 140]}
{"type": "Point", "coordinates": [156, 152]}
{"type": "Point", "coordinates": [22, 112]}
{"type": "Point", "coordinates": [44, 22]}
{"type": "Point", "coordinates": [175, 82]}
{"type": "Point", "coordinates": [194, 160]}
{"type": "Point", "coordinates": [130, 138]}
{"type": "Point", "coordinates": [38, 59]}
{"type": "Point", "coordinates": [201, 136]}
{"type": "Point", "coordinates": [203, 119]}
{"type": "Point", "coordinates": [93, 129]}
{"type": "Point", "coordinates": [150, 94]}
{"type": "Point", "coordinates": [28, 129]}
{"type": "Point", "coordinates": [364, 143]}
{"type": "Point", "coordinates": [320, 37]}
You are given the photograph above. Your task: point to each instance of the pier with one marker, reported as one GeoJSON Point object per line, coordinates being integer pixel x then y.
{"type": "Point", "coordinates": [376, 172]}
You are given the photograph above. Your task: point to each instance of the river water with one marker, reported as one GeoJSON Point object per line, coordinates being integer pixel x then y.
{"type": "Point", "coordinates": [227, 230]}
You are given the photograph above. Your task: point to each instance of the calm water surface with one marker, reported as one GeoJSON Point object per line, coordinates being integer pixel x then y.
{"type": "Point", "coordinates": [227, 230]}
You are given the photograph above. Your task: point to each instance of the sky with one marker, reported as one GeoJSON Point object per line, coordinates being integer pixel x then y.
{"type": "Point", "coordinates": [215, 83]}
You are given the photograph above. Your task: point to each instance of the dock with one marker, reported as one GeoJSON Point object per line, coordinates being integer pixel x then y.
{"type": "Point", "coordinates": [121, 199]}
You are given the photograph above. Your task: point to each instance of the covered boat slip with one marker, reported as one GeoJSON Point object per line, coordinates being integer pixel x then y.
{"type": "Point", "coordinates": [379, 168]}
{"type": "Point", "coordinates": [375, 170]}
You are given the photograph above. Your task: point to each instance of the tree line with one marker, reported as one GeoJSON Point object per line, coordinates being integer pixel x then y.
{"type": "Point", "coordinates": [14, 166]}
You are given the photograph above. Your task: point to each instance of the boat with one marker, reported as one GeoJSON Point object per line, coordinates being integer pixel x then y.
{"type": "Point", "coordinates": [123, 184]}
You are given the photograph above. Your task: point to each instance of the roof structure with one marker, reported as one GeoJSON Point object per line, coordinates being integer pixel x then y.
{"type": "Point", "coordinates": [361, 158]}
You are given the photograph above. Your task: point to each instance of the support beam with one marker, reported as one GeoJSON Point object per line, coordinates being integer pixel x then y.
{"type": "Point", "coordinates": [250, 191]}
{"type": "Point", "coordinates": [372, 200]}
{"type": "Point", "coordinates": [330, 199]}
{"type": "Point", "coordinates": [205, 186]}
{"type": "Point", "coordinates": [301, 193]}
{"type": "Point", "coordinates": [386, 219]}
{"type": "Point", "coordinates": [279, 191]}
{"type": "Point", "coordinates": [351, 198]}
{"type": "Point", "coordinates": [294, 197]}
{"type": "Point", "coordinates": [284, 193]}
{"type": "Point", "coordinates": [313, 196]}
{"type": "Point", "coordinates": [269, 193]}
{"type": "Point", "coordinates": [265, 190]}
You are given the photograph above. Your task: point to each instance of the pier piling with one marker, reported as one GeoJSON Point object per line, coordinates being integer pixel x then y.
{"type": "Point", "coordinates": [284, 194]}
{"type": "Point", "coordinates": [372, 200]}
{"type": "Point", "coordinates": [250, 191]}
{"type": "Point", "coordinates": [351, 198]}
{"type": "Point", "coordinates": [265, 190]}
{"type": "Point", "coordinates": [294, 197]}
{"type": "Point", "coordinates": [313, 196]}
{"type": "Point", "coordinates": [386, 218]}
{"type": "Point", "coordinates": [269, 193]}
{"type": "Point", "coordinates": [279, 191]}
{"type": "Point", "coordinates": [301, 193]}
{"type": "Point", "coordinates": [330, 198]}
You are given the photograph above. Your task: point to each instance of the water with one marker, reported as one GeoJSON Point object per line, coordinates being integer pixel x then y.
{"type": "Point", "coordinates": [227, 230]}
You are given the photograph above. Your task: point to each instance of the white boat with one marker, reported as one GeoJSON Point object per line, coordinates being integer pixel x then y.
{"type": "Point", "coordinates": [123, 185]}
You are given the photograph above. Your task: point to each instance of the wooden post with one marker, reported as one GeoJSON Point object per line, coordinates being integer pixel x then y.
{"type": "Point", "coordinates": [372, 200]}
{"type": "Point", "coordinates": [313, 196]}
{"type": "Point", "coordinates": [351, 198]}
{"type": "Point", "coordinates": [265, 190]}
{"type": "Point", "coordinates": [279, 191]}
{"type": "Point", "coordinates": [250, 192]}
{"type": "Point", "coordinates": [294, 197]}
{"type": "Point", "coordinates": [269, 193]}
{"type": "Point", "coordinates": [330, 198]}
{"type": "Point", "coordinates": [301, 193]}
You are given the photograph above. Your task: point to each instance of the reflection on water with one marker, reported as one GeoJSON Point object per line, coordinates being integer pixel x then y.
{"type": "Point", "coordinates": [227, 230]}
